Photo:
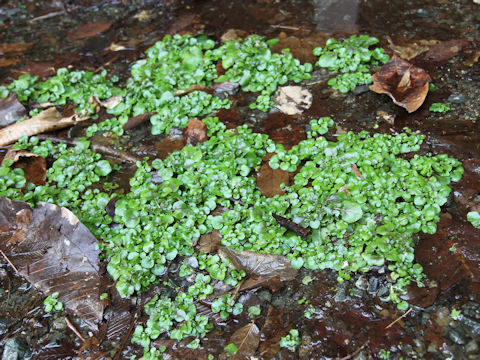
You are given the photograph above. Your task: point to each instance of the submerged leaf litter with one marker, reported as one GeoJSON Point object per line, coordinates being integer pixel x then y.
{"type": "Point", "coordinates": [361, 198]}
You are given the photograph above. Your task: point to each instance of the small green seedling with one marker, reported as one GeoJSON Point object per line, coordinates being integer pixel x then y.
{"type": "Point", "coordinates": [231, 349]}
{"type": "Point", "coordinates": [254, 311]}
{"type": "Point", "coordinates": [51, 303]}
{"type": "Point", "coordinates": [291, 340]}
{"type": "Point", "coordinates": [439, 107]}
{"type": "Point", "coordinates": [455, 313]}
{"type": "Point", "coordinates": [474, 218]}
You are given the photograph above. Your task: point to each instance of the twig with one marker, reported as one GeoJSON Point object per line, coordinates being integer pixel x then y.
{"type": "Point", "coordinates": [354, 353]}
{"type": "Point", "coordinates": [398, 319]}
{"type": "Point", "coordinates": [235, 293]}
{"type": "Point", "coordinates": [48, 16]}
{"type": "Point", "coordinates": [11, 264]}
{"type": "Point", "coordinates": [74, 329]}
{"type": "Point", "coordinates": [132, 324]}
{"type": "Point", "coordinates": [285, 27]}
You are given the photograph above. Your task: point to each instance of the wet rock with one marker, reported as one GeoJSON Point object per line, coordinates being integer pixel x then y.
{"type": "Point", "coordinates": [361, 89]}
{"type": "Point", "coordinates": [362, 283]}
{"type": "Point", "coordinates": [472, 349]}
{"type": "Point", "coordinates": [456, 337]}
{"type": "Point", "coordinates": [16, 349]}
{"type": "Point", "coordinates": [372, 285]}
{"type": "Point", "coordinates": [59, 323]}
{"type": "Point", "coordinates": [4, 325]}
{"type": "Point", "coordinates": [382, 291]}
{"type": "Point", "coordinates": [358, 292]}
{"type": "Point", "coordinates": [340, 295]}
{"type": "Point", "coordinates": [457, 99]}
{"type": "Point", "coordinates": [471, 327]}
{"type": "Point", "coordinates": [442, 317]}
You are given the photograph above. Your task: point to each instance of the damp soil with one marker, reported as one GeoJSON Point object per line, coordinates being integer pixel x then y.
{"type": "Point", "coordinates": [349, 320]}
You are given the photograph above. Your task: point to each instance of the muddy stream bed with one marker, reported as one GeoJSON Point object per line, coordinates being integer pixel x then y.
{"type": "Point", "coordinates": [350, 320]}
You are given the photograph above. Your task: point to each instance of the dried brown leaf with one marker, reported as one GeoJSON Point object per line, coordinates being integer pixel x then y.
{"type": "Point", "coordinates": [196, 131]}
{"type": "Point", "coordinates": [55, 252]}
{"type": "Point", "coordinates": [195, 87]}
{"type": "Point", "coordinates": [10, 110]}
{"type": "Point", "coordinates": [89, 30]}
{"type": "Point", "coordinates": [406, 84]}
{"type": "Point", "coordinates": [293, 100]}
{"type": "Point", "coordinates": [210, 242]}
{"type": "Point", "coordinates": [414, 48]}
{"type": "Point", "coordinates": [47, 120]}
{"type": "Point", "coordinates": [33, 165]}
{"type": "Point", "coordinates": [15, 47]}
{"type": "Point", "coordinates": [269, 180]}
{"type": "Point", "coordinates": [260, 265]}
{"type": "Point", "coordinates": [246, 339]}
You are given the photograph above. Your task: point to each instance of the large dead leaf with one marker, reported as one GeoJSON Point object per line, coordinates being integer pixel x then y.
{"type": "Point", "coordinates": [440, 53]}
{"type": "Point", "coordinates": [293, 100]}
{"type": "Point", "coordinates": [47, 120]}
{"type": "Point", "coordinates": [414, 48]}
{"type": "Point", "coordinates": [89, 30]}
{"type": "Point", "coordinates": [260, 265]}
{"type": "Point", "coordinates": [33, 165]}
{"type": "Point", "coordinates": [406, 84]}
{"type": "Point", "coordinates": [210, 242]}
{"type": "Point", "coordinates": [301, 48]}
{"type": "Point", "coordinates": [10, 110]}
{"type": "Point", "coordinates": [55, 252]}
{"type": "Point", "coordinates": [246, 339]}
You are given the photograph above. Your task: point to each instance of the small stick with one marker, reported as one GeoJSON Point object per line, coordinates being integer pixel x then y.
{"type": "Point", "coordinates": [47, 16]}
{"type": "Point", "coordinates": [11, 264]}
{"type": "Point", "coordinates": [398, 319]}
{"type": "Point", "coordinates": [235, 294]}
{"type": "Point", "coordinates": [354, 353]}
{"type": "Point", "coordinates": [285, 27]}
{"type": "Point", "coordinates": [132, 324]}
{"type": "Point", "coordinates": [74, 329]}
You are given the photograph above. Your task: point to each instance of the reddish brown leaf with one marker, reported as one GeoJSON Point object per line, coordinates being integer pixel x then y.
{"type": "Point", "coordinates": [233, 34]}
{"type": "Point", "coordinates": [55, 252]}
{"type": "Point", "coordinates": [274, 283]}
{"type": "Point", "coordinates": [290, 225]}
{"type": "Point", "coordinates": [407, 85]}
{"type": "Point", "coordinates": [195, 87]}
{"type": "Point", "coordinates": [15, 47]}
{"type": "Point", "coordinates": [260, 265]}
{"type": "Point", "coordinates": [136, 120]}
{"type": "Point", "coordinates": [246, 339]}
{"type": "Point", "coordinates": [355, 171]}
{"type": "Point", "coordinates": [301, 48]}
{"type": "Point", "coordinates": [269, 180]}
{"type": "Point", "coordinates": [440, 53]}
{"type": "Point", "coordinates": [33, 165]}
{"type": "Point", "coordinates": [10, 110]}
{"type": "Point", "coordinates": [89, 30]}
{"type": "Point", "coordinates": [196, 131]}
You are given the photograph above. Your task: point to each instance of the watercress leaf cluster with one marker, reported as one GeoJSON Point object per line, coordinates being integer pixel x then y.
{"type": "Point", "coordinates": [352, 58]}
{"type": "Point", "coordinates": [251, 63]}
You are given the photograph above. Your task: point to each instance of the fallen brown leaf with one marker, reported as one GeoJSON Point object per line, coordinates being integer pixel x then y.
{"type": "Point", "coordinates": [55, 252]}
{"type": "Point", "coordinates": [233, 34]}
{"type": "Point", "coordinates": [33, 165]}
{"type": "Point", "coordinates": [89, 30]}
{"type": "Point", "coordinates": [440, 53]}
{"type": "Point", "coordinates": [246, 339]}
{"type": "Point", "coordinates": [269, 180]}
{"type": "Point", "coordinates": [414, 48]}
{"type": "Point", "coordinates": [260, 265]}
{"type": "Point", "coordinates": [15, 47]}
{"type": "Point", "coordinates": [196, 131]}
{"type": "Point", "coordinates": [47, 120]}
{"type": "Point", "coordinates": [293, 100]}
{"type": "Point", "coordinates": [210, 242]}
{"type": "Point", "coordinates": [11, 110]}
{"type": "Point", "coordinates": [406, 84]}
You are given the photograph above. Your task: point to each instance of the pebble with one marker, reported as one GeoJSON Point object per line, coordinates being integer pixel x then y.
{"type": "Point", "coordinates": [265, 296]}
{"type": "Point", "coordinates": [360, 89]}
{"type": "Point", "coordinates": [341, 295]}
{"type": "Point", "coordinates": [471, 327]}
{"type": "Point", "coordinates": [456, 337]}
{"type": "Point", "coordinates": [4, 325]}
{"type": "Point", "coordinates": [372, 285]}
{"type": "Point", "coordinates": [362, 283]}
{"type": "Point", "coordinates": [472, 348]}
{"type": "Point", "coordinates": [457, 99]}
{"type": "Point", "coordinates": [16, 348]}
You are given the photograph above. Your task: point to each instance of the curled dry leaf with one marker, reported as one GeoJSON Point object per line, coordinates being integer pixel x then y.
{"type": "Point", "coordinates": [55, 252]}
{"type": "Point", "coordinates": [10, 110]}
{"type": "Point", "coordinates": [111, 102]}
{"type": "Point", "coordinates": [260, 265]}
{"type": "Point", "coordinates": [33, 165]}
{"type": "Point", "coordinates": [47, 120]}
{"type": "Point", "coordinates": [195, 87]}
{"type": "Point", "coordinates": [196, 131]}
{"type": "Point", "coordinates": [414, 48]}
{"type": "Point", "coordinates": [406, 84]}
{"type": "Point", "coordinates": [246, 339]}
{"type": "Point", "coordinates": [293, 100]}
